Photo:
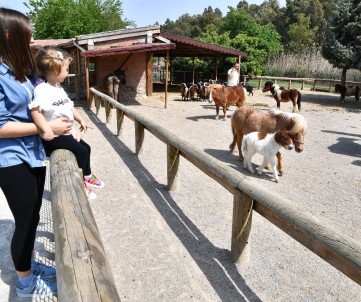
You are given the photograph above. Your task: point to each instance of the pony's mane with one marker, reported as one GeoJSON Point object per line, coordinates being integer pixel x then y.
{"type": "Point", "coordinates": [275, 87]}
{"type": "Point", "coordinates": [298, 121]}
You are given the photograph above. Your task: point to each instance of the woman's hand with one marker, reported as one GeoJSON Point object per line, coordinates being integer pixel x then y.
{"type": "Point", "coordinates": [61, 125]}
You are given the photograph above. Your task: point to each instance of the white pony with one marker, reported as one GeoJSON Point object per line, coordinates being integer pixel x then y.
{"type": "Point", "coordinates": [267, 146]}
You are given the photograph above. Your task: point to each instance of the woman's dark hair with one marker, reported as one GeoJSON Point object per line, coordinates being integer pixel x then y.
{"type": "Point", "coordinates": [15, 38]}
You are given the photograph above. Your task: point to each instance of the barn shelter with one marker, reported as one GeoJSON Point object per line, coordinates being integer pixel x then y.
{"type": "Point", "coordinates": [132, 50]}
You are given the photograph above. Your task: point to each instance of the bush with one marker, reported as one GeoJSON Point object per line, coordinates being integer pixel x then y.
{"type": "Point", "coordinates": [309, 64]}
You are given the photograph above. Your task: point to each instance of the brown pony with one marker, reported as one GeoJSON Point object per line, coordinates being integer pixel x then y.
{"type": "Point", "coordinates": [226, 96]}
{"type": "Point", "coordinates": [246, 120]}
{"type": "Point", "coordinates": [280, 94]}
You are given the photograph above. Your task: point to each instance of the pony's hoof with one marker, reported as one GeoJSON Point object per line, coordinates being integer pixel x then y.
{"type": "Point", "coordinates": [225, 118]}
{"type": "Point", "coordinates": [276, 180]}
{"type": "Point", "coordinates": [216, 118]}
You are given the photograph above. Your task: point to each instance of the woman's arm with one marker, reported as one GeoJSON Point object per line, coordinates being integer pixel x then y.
{"type": "Point", "coordinates": [39, 120]}
{"type": "Point", "coordinates": [59, 126]}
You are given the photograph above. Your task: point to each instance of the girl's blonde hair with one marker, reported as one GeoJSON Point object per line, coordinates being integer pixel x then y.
{"type": "Point", "coordinates": [51, 59]}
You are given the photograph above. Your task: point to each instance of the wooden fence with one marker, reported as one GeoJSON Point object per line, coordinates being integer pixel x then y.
{"type": "Point", "coordinates": [339, 250]}
{"type": "Point", "coordinates": [83, 271]}
{"type": "Point", "coordinates": [312, 81]}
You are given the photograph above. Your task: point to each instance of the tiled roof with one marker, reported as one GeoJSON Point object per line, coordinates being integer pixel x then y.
{"type": "Point", "coordinates": [56, 42]}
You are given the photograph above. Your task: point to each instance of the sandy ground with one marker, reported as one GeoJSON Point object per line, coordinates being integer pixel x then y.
{"type": "Point", "coordinates": [175, 246]}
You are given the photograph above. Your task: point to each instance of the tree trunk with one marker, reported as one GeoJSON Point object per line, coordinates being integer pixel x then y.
{"type": "Point", "coordinates": [343, 76]}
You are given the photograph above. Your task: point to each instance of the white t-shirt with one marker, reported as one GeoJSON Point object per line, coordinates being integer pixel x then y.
{"type": "Point", "coordinates": [233, 78]}
{"type": "Point", "coordinates": [52, 101]}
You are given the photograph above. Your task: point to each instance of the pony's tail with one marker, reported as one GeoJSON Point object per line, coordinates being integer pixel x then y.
{"type": "Point", "coordinates": [299, 97]}
{"type": "Point", "coordinates": [210, 97]}
{"type": "Point", "coordinates": [232, 146]}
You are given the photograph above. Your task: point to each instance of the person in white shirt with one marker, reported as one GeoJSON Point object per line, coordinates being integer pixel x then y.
{"type": "Point", "coordinates": [51, 101]}
{"type": "Point", "coordinates": [233, 75]}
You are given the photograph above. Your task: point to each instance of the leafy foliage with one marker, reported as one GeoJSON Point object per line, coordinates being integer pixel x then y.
{"type": "Point", "coordinates": [343, 40]}
{"type": "Point", "coordinates": [56, 19]}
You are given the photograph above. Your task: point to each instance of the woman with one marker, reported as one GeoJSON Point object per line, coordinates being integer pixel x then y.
{"type": "Point", "coordinates": [22, 169]}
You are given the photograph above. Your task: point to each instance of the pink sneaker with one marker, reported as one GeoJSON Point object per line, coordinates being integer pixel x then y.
{"type": "Point", "coordinates": [93, 181]}
{"type": "Point", "coordinates": [89, 193]}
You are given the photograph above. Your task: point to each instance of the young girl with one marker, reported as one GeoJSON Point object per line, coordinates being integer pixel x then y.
{"type": "Point", "coordinates": [22, 167]}
{"type": "Point", "coordinates": [51, 101]}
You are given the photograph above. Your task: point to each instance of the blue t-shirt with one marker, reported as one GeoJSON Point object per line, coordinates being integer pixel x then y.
{"type": "Point", "coordinates": [14, 100]}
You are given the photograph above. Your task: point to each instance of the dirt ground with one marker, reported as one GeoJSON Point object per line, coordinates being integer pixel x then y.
{"type": "Point", "coordinates": [175, 246]}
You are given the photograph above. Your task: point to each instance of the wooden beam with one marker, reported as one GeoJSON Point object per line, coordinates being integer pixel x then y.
{"type": "Point", "coordinates": [83, 271]}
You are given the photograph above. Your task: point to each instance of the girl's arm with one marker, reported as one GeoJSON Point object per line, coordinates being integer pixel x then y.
{"type": "Point", "coordinates": [59, 126]}
{"type": "Point", "coordinates": [39, 120]}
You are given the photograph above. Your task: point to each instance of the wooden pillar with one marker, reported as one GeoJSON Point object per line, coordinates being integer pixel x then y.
{"type": "Point", "coordinates": [193, 70]}
{"type": "Point", "coordinates": [216, 69]}
{"type": "Point", "coordinates": [166, 79]}
{"type": "Point", "coordinates": [139, 137]}
{"type": "Point", "coordinates": [241, 228]}
{"type": "Point", "coordinates": [172, 167]}
{"type": "Point", "coordinates": [87, 82]}
{"type": "Point", "coordinates": [149, 74]}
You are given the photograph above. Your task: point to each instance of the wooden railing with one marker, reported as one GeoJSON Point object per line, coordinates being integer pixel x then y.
{"type": "Point", "coordinates": [83, 271]}
{"type": "Point", "coordinates": [312, 81]}
{"type": "Point", "coordinates": [341, 251]}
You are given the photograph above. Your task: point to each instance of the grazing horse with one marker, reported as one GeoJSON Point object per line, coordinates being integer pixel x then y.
{"type": "Point", "coordinates": [281, 94]}
{"type": "Point", "coordinates": [226, 96]}
{"type": "Point", "coordinates": [112, 82]}
{"type": "Point", "coordinates": [348, 90]}
{"type": "Point", "coordinates": [246, 120]}
{"type": "Point", "coordinates": [268, 146]}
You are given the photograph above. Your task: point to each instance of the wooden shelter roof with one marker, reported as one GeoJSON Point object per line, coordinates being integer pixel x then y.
{"type": "Point", "coordinates": [128, 49]}
{"type": "Point", "coordinates": [186, 47]}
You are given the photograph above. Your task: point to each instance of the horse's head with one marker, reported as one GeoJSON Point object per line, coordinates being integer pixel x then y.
{"type": "Point", "coordinates": [120, 74]}
{"type": "Point", "coordinates": [284, 138]}
{"type": "Point", "coordinates": [267, 86]}
{"type": "Point", "coordinates": [298, 132]}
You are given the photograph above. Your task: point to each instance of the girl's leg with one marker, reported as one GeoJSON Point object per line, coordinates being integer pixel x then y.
{"type": "Point", "coordinates": [81, 150]}
{"type": "Point", "coordinates": [23, 188]}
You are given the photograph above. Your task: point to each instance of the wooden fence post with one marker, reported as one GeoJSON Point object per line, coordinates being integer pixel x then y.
{"type": "Point", "coordinates": [139, 137]}
{"type": "Point", "coordinates": [172, 167]}
{"type": "Point", "coordinates": [108, 111]}
{"type": "Point", "coordinates": [120, 120]}
{"type": "Point", "coordinates": [241, 228]}
{"type": "Point", "coordinates": [97, 104]}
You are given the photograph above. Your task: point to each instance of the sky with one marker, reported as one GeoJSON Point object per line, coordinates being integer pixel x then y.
{"type": "Point", "coordinates": [148, 12]}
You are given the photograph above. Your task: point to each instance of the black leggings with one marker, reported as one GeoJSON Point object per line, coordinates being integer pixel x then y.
{"type": "Point", "coordinates": [81, 150]}
{"type": "Point", "coordinates": [23, 188]}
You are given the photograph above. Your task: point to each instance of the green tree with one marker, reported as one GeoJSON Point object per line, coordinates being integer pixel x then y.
{"type": "Point", "coordinates": [313, 9]}
{"type": "Point", "coordinates": [192, 26]}
{"type": "Point", "coordinates": [342, 47]}
{"type": "Point", "coordinates": [301, 37]}
{"type": "Point", "coordinates": [240, 31]}
{"type": "Point", "coordinates": [56, 19]}
{"type": "Point", "coordinates": [239, 22]}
